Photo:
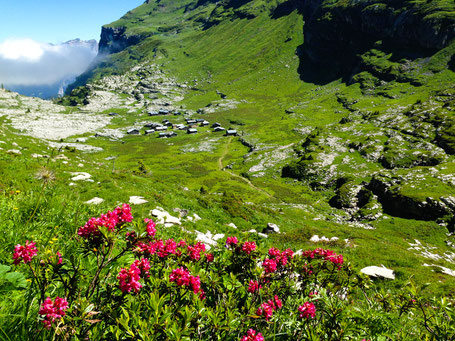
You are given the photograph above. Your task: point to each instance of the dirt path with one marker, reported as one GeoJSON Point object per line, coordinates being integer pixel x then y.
{"type": "Point", "coordinates": [221, 168]}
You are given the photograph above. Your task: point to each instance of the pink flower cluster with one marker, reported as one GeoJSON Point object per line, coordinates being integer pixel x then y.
{"type": "Point", "coordinates": [159, 247]}
{"type": "Point", "coordinates": [194, 251]}
{"type": "Point", "coordinates": [182, 277]}
{"type": "Point", "coordinates": [24, 253]}
{"type": "Point", "coordinates": [209, 257]}
{"type": "Point", "coordinates": [269, 265]}
{"type": "Point", "coordinates": [267, 308]}
{"type": "Point", "coordinates": [248, 247]}
{"type": "Point", "coordinates": [281, 257]}
{"type": "Point", "coordinates": [254, 286]}
{"type": "Point", "coordinates": [151, 230]}
{"type": "Point", "coordinates": [129, 278]}
{"type": "Point", "coordinates": [53, 310]}
{"type": "Point", "coordinates": [169, 247]}
{"type": "Point", "coordinates": [307, 310]}
{"type": "Point", "coordinates": [252, 336]}
{"type": "Point", "coordinates": [110, 220]}
{"type": "Point", "coordinates": [327, 255]}
{"type": "Point", "coordinates": [60, 259]}
{"type": "Point", "coordinates": [231, 241]}
{"type": "Point", "coordinates": [277, 259]}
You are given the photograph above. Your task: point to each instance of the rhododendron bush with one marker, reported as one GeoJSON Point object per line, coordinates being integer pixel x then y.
{"type": "Point", "coordinates": [130, 281]}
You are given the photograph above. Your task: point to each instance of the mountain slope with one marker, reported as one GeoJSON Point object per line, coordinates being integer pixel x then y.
{"type": "Point", "coordinates": [341, 111]}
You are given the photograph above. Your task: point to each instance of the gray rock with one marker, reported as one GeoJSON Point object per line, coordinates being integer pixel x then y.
{"type": "Point", "coordinates": [271, 228]}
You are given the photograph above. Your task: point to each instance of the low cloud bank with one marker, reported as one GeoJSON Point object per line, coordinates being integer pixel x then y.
{"type": "Point", "coordinates": [28, 62]}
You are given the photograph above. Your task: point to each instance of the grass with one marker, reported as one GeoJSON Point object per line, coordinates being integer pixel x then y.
{"type": "Point", "coordinates": [254, 62]}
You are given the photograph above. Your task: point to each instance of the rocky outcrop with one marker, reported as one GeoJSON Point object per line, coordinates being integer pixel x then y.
{"type": "Point", "coordinates": [342, 29]}
{"type": "Point", "coordinates": [398, 204]}
{"type": "Point", "coordinates": [115, 39]}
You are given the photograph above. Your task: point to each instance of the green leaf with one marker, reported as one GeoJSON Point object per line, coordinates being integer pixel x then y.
{"type": "Point", "coordinates": [16, 280]}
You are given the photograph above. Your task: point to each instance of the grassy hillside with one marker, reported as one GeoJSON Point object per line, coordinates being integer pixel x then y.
{"type": "Point", "coordinates": [363, 153]}
{"type": "Point", "coordinates": [246, 65]}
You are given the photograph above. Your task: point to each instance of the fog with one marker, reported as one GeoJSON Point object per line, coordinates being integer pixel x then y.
{"type": "Point", "coordinates": [28, 62]}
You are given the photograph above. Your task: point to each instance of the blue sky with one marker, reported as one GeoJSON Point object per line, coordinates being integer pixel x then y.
{"type": "Point", "coordinates": [56, 21]}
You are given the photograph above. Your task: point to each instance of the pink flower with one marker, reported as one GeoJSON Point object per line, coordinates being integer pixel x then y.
{"type": "Point", "coordinates": [249, 247]}
{"type": "Point", "coordinates": [327, 255]}
{"type": "Point", "coordinates": [269, 265]}
{"type": "Point", "coordinates": [209, 257]}
{"type": "Point", "coordinates": [252, 336]}
{"type": "Point", "coordinates": [278, 302]}
{"type": "Point", "coordinates": [194, 251]}
{"type": "Point", "coordinates": [253, 286]}
{"type": "Point", "coordinates": [160, 248]}
{"type": "Point", "coordinates": [182, 277]}
{"type": "Point", "coordinates": [307, 310]}
{"type": "Point", "coordinates": [110, 220]}
{"type": "Point", "coordinates": [151, 230]}
{"type": "Point", "coordinates": [143, 265]}
{"type": "Point", "coordinates": [129, 279]}
{"type": "Point", "coordinates": [60, 259]}
{"type": "Point", "coordinates": [195, 283]}
{"type": "Point", "coordinates": [231, 241]}
{"type": "Point", "coordinates": [124, 214]}
{"type": "Point", "coordinates": [281, 258]}
{"type": "Point", "coordinates": [24, 253]}
{"type": "Point", "coordinates": [267, 308]}
{"type": "Point", "coordinates": [53, 310]}
{"type": "Point", "coordinates": [274, 252]}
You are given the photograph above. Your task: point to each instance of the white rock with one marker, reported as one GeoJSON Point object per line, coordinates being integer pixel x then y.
{"type": "Point", "coordinates": [447, 271]}
{"type": "Point", "coordinates": [196, 217]}
{"type": "Point", "coordinates": [14, 152]}
{"type": "Point", "coordinates": [218, 236]}
{"type": "Point", "coordinates": [95, 201]}
{"type": "Point", "coordinates": [232, 225]}
{"type": "Point", "coordinates": [271, 228]}
{"type": "Point", "coordinates": [376, 271]}
{"type": "Point", "coordinates": [14, 144]}
{"type": "Point", "coordinates": [71, 184]}
{"type": "Point", "coordinates": [2, 142]}
{"type": "Point", "coordinates": [314, 239]}
{"type": "Point", "coordinates": [298, 252]}
{"type": "Point", "coordinates": [334, 239]}
{"type": "Point", "coordinates": [80, 176]}
{"type": "Point", "coordinates": [37, 156]}
{"type": "Point", "coordinates": [252, 231]}
{"type": "Point", "coordinates": [80, 165]}
{"type": "Point", "coordinates": [61, 157]}
{"type": "Point", "coordinates": [135, 200]}
{"type": "Point", "coordinates": [263, 235]}
{"type": "Point", "coordinates": [206, 239]}
{"type": "Point", "coordinates": [164, 217]}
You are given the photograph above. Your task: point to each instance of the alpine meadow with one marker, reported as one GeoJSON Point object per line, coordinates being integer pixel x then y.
{"type": "Point", "coordinates": [238, 170]}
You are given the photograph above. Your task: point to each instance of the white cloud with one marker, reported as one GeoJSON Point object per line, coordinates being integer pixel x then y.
{"type": "Point", "coordinates": [28, 62]}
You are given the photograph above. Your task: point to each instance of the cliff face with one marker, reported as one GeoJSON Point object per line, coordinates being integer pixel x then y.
{"type": "Point", "coordinates": [340, 30]}
{"type": "Point", "coordinates": [114, 39]}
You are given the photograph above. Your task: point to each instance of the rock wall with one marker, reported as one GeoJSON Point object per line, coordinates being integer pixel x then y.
{"type": "Point", "coordinates": [339, 30]}
{"type": "Point", "coordinates": [115, 39]}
